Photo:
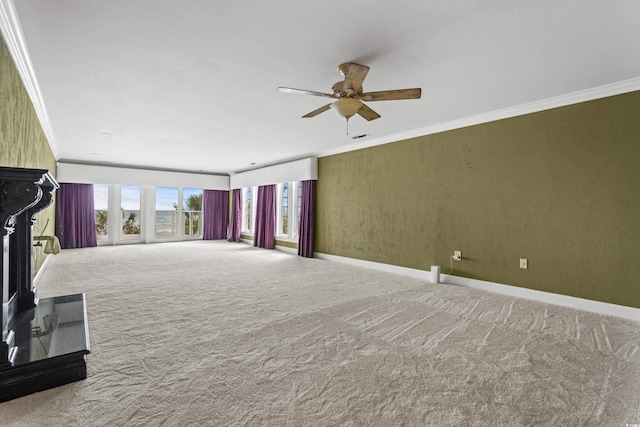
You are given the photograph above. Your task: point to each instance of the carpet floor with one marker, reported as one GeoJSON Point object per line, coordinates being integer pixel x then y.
{"type": "Point", "coordinates": [219, 334]}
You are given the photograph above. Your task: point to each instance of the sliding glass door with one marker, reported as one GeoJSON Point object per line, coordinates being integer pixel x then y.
{"type": "Point", "coordinates": [130, 213]}
{"type": "Point", "coordinates": [101, 211]}
{"type": "Point", "coordinates": [192, 212]}
{"type": "Point", "coordinates": [166, 213]}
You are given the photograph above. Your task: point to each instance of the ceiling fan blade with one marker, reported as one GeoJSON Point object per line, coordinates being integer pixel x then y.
{"type": "Point", "coordinates": [306, 92]}
{"type": "Point", "coordinates": [367, 113]}
{"type": "Point", "coordinates": [354, 74]}
{"type": "Point", "coordinates": [316, 112]}
{"type": "Point", "coordinates": [391, 95]}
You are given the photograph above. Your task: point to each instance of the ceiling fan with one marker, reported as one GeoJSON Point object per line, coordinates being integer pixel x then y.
{"type": "Point", "coordinates": [349, 94]}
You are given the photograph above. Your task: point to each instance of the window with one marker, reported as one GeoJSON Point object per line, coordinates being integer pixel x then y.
{"type": "Point", "coordinates": [101, 211]}
{"type": "Point", "coordinates": [130, 212]}
{"type": "Point", "coordinates": [288, 204]}
{"type": "Point", "coordinates": [192, 212]}
{"type": "Point", "coordinates": [284, 206]}
{"type": "Point", "coordinates": [166, 213]}
{"type": "Point", "coordinates": [296, 230]}
{"type": "Point", "coordinates": [247, 209]}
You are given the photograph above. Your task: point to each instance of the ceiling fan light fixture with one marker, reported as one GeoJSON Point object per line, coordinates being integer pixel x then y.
{"type": "Point", "coordinates": [346, 107]}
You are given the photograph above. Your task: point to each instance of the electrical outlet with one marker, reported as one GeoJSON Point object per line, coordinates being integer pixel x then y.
{"type": "Point", "coordinates": [457, 256]}
{"type": "Point", "coordinates": [523, 263]}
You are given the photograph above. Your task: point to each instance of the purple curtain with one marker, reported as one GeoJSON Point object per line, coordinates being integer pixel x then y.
{"type": "Point", "coordinates": [235, 222]}
{"type": "Point", "coordinates": [215, 213]}
{"type": "Point", "coordinates": [265, 230]}
{"type": "Point", "coordinates": [307, 208]}
{"type": "Point", "coordinates": [75, 217]}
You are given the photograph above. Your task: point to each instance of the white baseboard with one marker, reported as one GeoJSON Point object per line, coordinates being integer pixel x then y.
{"type": "Point", "coordinates": [405, 271]}
{"type": "Point", "coordinates": [598, 307]}
{"type": "Point", "coordinates": [286, 249]}
{"type": "Point", "coordinates": [293, 251]}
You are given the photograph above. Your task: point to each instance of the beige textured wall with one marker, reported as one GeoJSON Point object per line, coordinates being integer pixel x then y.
{"type": "Point", "coordinates": [22, 142]}
{"type": "Point", "coordinates": [559, 187]}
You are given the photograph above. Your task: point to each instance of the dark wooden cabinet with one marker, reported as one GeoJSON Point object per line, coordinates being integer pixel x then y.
{"type": "Point", "coordinates": [44, 340]}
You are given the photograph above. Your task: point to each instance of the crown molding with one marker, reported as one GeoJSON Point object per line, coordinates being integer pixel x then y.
{"type": "Point", "coordinates": [13, 36]}
{"type": "Point", "coordinates": [591, 94]}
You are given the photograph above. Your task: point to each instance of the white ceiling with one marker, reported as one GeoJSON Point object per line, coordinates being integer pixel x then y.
{"type": "Point", "coordinates": [192, 85]}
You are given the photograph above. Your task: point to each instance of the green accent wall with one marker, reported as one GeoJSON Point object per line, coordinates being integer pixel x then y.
{"type": "Point", "coordinates": [560, 188]}
{"type": "Point", "coordinates": [22, 141]}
